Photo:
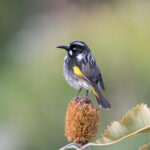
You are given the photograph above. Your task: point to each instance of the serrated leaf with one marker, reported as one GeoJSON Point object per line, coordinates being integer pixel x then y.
{"type": "Point", "coordinates": [134, 121]}
{"type": "Point", "coordinates": [145, 147]}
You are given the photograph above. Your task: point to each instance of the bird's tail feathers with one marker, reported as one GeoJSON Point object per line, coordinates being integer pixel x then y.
{"type": "Point", "coordinates": [103, 103]}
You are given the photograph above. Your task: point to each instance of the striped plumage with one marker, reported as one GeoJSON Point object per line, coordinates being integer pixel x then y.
{"type": "Point", "coordinates": [79, 56]}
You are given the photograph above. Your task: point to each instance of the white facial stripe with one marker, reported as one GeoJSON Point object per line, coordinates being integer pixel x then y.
{"type": "Point", "coordinates": [79, 43]}
{"type": "Point", "coordinates": [70, 52]}
{"type": "Point", "coordinates": [80, 57]}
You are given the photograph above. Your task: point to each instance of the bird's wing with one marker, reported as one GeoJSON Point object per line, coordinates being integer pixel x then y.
{"type": "Point", "coordinates": [80, 74]}
{"type": "Point", "coordinates": [94, 87]}
{"type": "Point", "coordinates": [92, 72]}
{"type": "Point", "coordinates": [101, 81]}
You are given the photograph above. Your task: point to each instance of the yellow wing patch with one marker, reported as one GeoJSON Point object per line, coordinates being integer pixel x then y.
{"type": "Point", "coordinates": [95, 93]}
{"type": "Point", "coordinates": [77, 71]}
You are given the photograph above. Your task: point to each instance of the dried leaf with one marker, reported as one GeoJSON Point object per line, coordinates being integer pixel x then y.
{"type": "Point", "coordinates": [145, 147]}
{"type": "Point", "coordinates": [135, 121]}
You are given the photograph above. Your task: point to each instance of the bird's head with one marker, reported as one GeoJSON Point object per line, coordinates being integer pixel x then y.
{"type": "Point", "coordinates": [76, 49]}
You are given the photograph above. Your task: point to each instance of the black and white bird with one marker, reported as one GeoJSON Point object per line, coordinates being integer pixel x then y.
{"type": "Point", "coordinates": [81, 71]}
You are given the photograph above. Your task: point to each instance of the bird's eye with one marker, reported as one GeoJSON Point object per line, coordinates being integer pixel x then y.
{"type": "Point", "coordinates": [74, 48]}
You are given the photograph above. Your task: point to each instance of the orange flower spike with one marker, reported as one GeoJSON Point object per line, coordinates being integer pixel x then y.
{"type": "Point", "coordinates": [81, 121]}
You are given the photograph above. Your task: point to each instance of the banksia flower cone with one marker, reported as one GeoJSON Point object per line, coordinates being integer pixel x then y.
{"type": "Point", "coordinates": [81, 121]}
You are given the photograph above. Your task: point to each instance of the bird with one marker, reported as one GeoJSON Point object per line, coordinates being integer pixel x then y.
{"type": "Point", "coordinates": [82, 72]}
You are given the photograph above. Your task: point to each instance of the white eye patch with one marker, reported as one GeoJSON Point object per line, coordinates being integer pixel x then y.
{"type": "Point", "coordinates": [70, 52]}
{"type": "Point", "coordinates": [74, 48]}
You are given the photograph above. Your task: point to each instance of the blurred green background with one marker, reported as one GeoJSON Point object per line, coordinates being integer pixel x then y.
{"type": "Point", "coordinates": [33, 92]}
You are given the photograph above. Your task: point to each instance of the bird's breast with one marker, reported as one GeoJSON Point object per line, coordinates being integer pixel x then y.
{"type": "Point", "coordinates": [73, 79]}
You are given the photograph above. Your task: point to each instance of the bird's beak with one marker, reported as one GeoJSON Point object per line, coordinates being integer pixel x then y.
{"type": "Point", "coordinates": [63, 47]}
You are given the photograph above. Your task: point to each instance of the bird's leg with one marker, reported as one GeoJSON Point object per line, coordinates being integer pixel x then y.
{"type": "Point", "coordinates": [87, 91]}
{"type": "Point", "coordinates": [77, 97]}
{"type": "Point", "coordinates": [79, 92]}
{"type": "Point", "coordinates": [86, 95]}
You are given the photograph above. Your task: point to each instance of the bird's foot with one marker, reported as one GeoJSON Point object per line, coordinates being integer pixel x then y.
{"type": "Point", "coordinates": [86, 97]}
{"type": "Point", "coordinates": [78, 99]}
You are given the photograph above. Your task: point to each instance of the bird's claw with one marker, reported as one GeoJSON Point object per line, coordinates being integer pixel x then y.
{"type": "Point", "coordinates": [77, 98]}
{"type": "Point", "coordinates": [86, 97]}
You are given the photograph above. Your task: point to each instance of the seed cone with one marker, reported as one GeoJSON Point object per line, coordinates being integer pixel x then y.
{"type": "Point", "coordinates": [81, 121]}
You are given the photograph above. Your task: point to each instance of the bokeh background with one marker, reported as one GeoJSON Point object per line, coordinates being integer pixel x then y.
{"type": "Point", "coordinates": [33, 92]}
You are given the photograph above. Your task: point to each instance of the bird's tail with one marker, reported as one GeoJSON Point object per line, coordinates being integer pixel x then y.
{"type": "Point", "coordinates": [102, 102]}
